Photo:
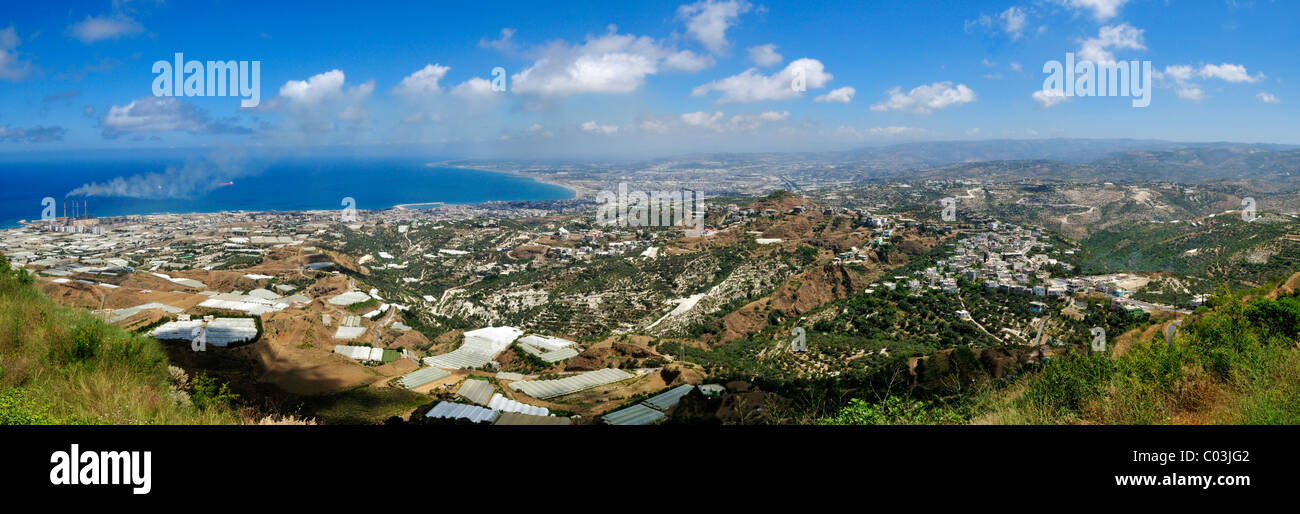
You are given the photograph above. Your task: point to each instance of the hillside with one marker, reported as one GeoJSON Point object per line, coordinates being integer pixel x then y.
{"type": "Point", "coordinates": [1237, 362]}
{"type": "Point", "coordinates": [1223, 248]}
{"type": "Point", "coordinates": [60, 365]}
{"type": "Point", "coordinates": [1264, 167]}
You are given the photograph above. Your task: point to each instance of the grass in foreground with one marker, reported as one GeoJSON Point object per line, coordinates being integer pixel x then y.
{"type": "Point", "coordinates": [64, 366]}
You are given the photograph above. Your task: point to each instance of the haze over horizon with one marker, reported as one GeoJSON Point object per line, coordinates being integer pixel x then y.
{"type": "Point", "coordinates": [637, 81]}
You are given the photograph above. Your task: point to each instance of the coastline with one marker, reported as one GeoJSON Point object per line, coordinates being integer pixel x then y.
{"type": "Point", "coordinates": [416, 205]}
{"type": "Point", "coordinates": [578, 191]}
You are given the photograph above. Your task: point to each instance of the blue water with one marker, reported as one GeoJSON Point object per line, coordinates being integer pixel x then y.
{"type": "Point", "coordinates": [284, 185]}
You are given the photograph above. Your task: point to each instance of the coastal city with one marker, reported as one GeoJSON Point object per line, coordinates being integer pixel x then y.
{"type": "Point", "coordinates": [288, 290]}
{"type": "Point", "coordinates": [323, 249]}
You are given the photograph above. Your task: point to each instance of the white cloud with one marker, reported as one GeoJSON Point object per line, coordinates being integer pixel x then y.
{"type": "Point", "coordinates": [313, 90]}
{"type": "Point", "coordinates": [1181, 76]}
{"type": "Point", "coordinates": [1122, 36]}
{"type": "Point", "coordinates": [425, 105]}
{"type": "Point", "coordinates": [99, 28]}
{"type": "Point", "coordinates": [504, 44]}
{"type": "Point", "coordinates": [36, 134]}
{"type": "Point", "coordinates": [926, 99]}
{"type": "Point", "coordinates": [881, 132]}
{"type": "Point", "coordinates": [1102, 10]}
{"type": "Point", "coordinates": [751, 85]}
{"type": "Point", "coordinates": [1190, 92]}
{"type": "Point", "coordinates": [592, 126]}
{"type": "Point", "coordinates": [1267, 98]}
{"type": "Point", "coordinates": [702, 119]}
{"type": "Point", "coordinates": [612, 63]}
{"type": "Point", "coordinates": [11, 67]}
{"type": "Point", "coordinates": [475, 87]}
{"type": "Point", "coordinates": [1047, 99]}
{"type": "Point", "coordinates": [314, 103]}
{"type": "Point", "coordinates": [983, 21]}
{"type": "Point", "coordinates": [162, 114]}
{"type": "Point", "coordinates": [764, 55]}
{"type": "Point", "coordinates": [841, 95]}
{"type": "Point", "coordinates": [687, 60]}
{"type": "Point", "coordinates": [714, 121]}
{"type": "Point", "coordinates": [1235, 73]}
{"type": "Point", "coordinates": [421, 83]}
{"type": "Point", "coordinates": [707, 21]}
{"type": "Point", "coordinates": [654, 126]}
{"type": "Point", "coordinates": [751, 122]}
{"type": "Point", "coordinates": [1012, 21]}
{"type": "Point", "coordinates": [1178, 73]}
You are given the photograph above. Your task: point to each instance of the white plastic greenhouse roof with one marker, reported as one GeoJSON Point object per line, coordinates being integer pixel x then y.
{"type": "Point", "coordinates": [361, 353]}
{"type": "Point", "coordinates": [481, 346]}
{"type": "Point", "coordinates": [477, 391]}
{"type": "Point", "coordinates": [179, 330]}
{"type": "Point", "coordinates": [547, 343]}
{"type": "Point", "coordinates": [635, 415]}
{"type": "Point", "coordinates": [349, 298]}
{"type": "Point", "coordinates": [504, 404]}
{"type": "Point", "coordinates": [422, 376]}
{"type": "Point", "coordinates": [459, 358]}
{"type": "Point", "coordinates": [218, 332]}
{"type": "Point", "coordinates": [551, 356]}
{"type": "Point", "coordinates": [224, 331]}
{"type": "Point", "coordinates": [544, 389]}
{"type": "Point", "coordinates": [349, 333]}
{"type": "Point", "coordinates": [449, 410]}
{"type": "Point", "coordinates": [491, 340]}
{"type": "Point", "coordinates": [669, 398]}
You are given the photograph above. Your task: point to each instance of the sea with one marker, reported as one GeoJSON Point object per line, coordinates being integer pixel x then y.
{"type": "Point", "coordinates": [133, 186]}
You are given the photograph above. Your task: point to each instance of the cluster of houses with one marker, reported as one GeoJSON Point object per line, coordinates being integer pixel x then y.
{"type": "Point", "coordinates": [603, 243]}
{"type": "Point", "coordinates": [1004, 257]}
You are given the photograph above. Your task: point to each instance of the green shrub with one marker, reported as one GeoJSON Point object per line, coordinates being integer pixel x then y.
{"type": "Point", "coordinates": [893, 410]}
{"type": "Point", "coordinates": [208, 391]}
{"type": "Point", "coordinates": [1065, 383]}
{"type": "Point", "coordinates": [19, 408]}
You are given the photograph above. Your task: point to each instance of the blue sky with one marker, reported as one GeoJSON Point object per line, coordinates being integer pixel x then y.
{"type": "Point", "coordinates": [639, 78]}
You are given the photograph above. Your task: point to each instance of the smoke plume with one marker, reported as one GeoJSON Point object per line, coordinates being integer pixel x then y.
{"type": "Point", "coordinates": [195, 178]}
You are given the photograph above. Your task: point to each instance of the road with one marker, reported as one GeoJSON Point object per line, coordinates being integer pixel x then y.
{"type": "Point", "coordinates": [1155, 306]}
{"type": "Point", "coordinates": [1038, 339]}
{"type": "Point", "coordinates": [977, 324]}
